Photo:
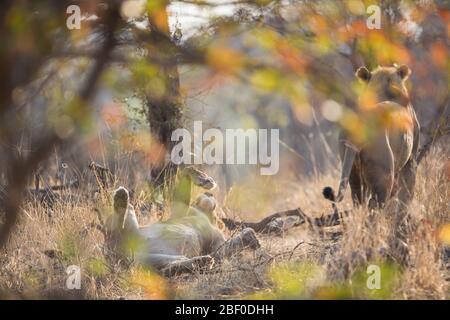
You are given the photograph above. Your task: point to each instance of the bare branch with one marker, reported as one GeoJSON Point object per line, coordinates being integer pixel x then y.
{"type": "Point", "coordinates": [439, 127]}
{"type": "Point", "coordinates": [20, 170]}
{"type": "Point", "coordinates": [263, 226]}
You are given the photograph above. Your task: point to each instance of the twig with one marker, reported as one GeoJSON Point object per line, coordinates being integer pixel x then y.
{"type": "Point", "coordinates": [442, 128]}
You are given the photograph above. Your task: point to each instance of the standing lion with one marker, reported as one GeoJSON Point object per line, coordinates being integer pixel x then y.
{"type": "Point", "coordinates": [379, 163]}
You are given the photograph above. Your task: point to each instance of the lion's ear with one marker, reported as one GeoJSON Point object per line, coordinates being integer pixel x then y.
{"type": "Point", "coordinates": [363, 74]}
{"type": "Point", "coordinates": [403, 71]}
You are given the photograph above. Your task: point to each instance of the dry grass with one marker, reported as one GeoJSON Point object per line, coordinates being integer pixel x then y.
{"type": "Point", "coordinates": [303, 263]}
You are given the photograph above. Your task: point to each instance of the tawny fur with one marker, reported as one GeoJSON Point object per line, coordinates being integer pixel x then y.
{"type": "Point", "coordinates": [379, 165]}
{"type": "Point", "coordinates": [179, 244]}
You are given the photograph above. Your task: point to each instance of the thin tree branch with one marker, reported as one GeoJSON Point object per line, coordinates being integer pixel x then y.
{"type": "Point", "coordinates": [20, 169]}
{"type": "Point", "coordinates": [439, 127]}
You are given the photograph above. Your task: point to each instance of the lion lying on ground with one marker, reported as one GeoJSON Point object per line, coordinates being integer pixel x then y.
{"type": "Point", "coordinates": [179, 244]}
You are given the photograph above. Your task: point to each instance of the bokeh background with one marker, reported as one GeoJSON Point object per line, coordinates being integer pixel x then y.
{"type": "Point", "coordinates": [113, 90]}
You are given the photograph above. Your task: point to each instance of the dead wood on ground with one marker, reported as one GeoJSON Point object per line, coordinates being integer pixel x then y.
{"type": "Point", "coordinates": [282, 221]}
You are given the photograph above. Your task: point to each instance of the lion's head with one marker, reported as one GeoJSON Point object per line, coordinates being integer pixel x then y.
{"type": "Point", "coordinates": [386, 83]}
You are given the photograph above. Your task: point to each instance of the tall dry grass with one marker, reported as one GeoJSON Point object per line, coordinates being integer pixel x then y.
{"type": "Point", "coordinates": [303, 263]}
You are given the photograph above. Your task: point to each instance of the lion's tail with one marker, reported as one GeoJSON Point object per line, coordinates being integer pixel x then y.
{"type": "Point", "coordinates": [329, 194]}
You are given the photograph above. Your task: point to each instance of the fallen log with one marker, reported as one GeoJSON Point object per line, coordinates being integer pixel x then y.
{"type": "Point", "coordinates": [274, 223]}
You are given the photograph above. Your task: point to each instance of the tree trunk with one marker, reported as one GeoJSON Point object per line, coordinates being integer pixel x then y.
{"type": "Point", "coordinates": [164, 109]}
